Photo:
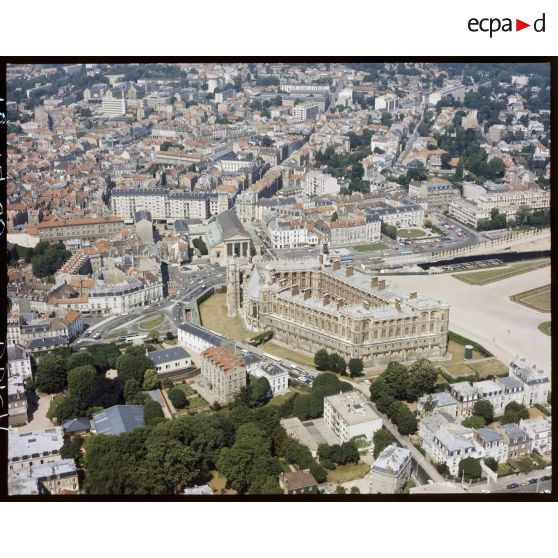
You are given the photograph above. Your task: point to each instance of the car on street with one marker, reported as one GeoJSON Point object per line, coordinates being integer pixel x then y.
{"type": "Point", "coordinates": [533, 481]}
{"type": "Point", "coordinates": [545, 477]}
{"type": "Point", "coordinates": [512, 486]}
{"type": "Point", "coordinates": [525, 483]}
{"type": "Point", "coordinates": [547, 492]}
{"type": "Point", "coordinates": [484, 491]}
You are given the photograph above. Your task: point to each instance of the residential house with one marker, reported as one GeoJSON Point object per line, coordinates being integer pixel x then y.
{"type": "Point", "coordinates": [442, 401]}
{"type": "Point", "coordinates": [391, 471]}
{"type": "Point", "coordinates": [491, 443]}
{"type": "Point", "coordinates": [170, 360]}
{"type": "Point", "coordinates": [539, 430]}
{"type": "Point", "coordinates": [519, 442]}
{"type": "Point", "coordinates": [298, 482]}
{"type": "Point", "coordinates": [536, 383]}
{"type": "Point", "coordinates": [466, 396]}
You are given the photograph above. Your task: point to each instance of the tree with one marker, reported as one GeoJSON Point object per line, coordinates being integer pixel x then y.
{"type": "Point", "coordinates": [397, 377]}
{"type": "Point", "coordinates": [321, 359]}
{"type": "Point", "coordinates": [68, 407]}
{"type": "Point", "coordinates": [483, 408]}
{"type": "Point", "coordinates": [318, 472]}
{"type": "Point", "coordinates": [177, 397]}
{"type": "Point", "coordinates": [48, 258]}
{"type": "Point", "coordinates": [152, 412]}
{"type": "Point", "coordinates": [382, 438]}
{"type": "Point", "coordinates": [104, 356]}
{"type": "Point", "coordinates": [422, 379]}
{"type": "Point", "coordinates": [150, 380]}
{"type": "Point", "coordinates": [248, 459]}
{"type": "Point", "coordinates": [132, 367]}
{"type": "Point", "coordinates": [402, 416]}
{"type": "Point", "coordinates": [171, 466]}
{"type": "Point", "coordinates": [491, 463]}
{"type": "Point", "coordinates": [356, 367]}
{"type": "Point", "coordinates": [260, 392]}
{"type": "Point", "coordinates": [131, 389]}
{"type": "Point", "coordinates": [386, 118]}
{"type": "Point", "coordinates": [337, 364]}
{"type": "Point", "coordinates": [71, 448]}
{"type": "Point", "coordinates": [474, 421]}
{"type": "Point", "coordinates": [200, 245]}
{"type": "Point", "coordinates": [381, 394]}
{"type": "Point", "coordinates": [81, 382]}
{"type": "Point", "coordinates": [514, 412]}
{"type": "Point", "coordinates": [51, 374]}
{"type": "Point", "coordinates": [496, 168]}
{"type": "Point", "coordinates": [470, 468]}
{"type": "Point", "coordinates": [301, 407]}
{"type": "Point", "coordinates": [265, 485]}
{"type": "Point", "coordinates": [83, 358]}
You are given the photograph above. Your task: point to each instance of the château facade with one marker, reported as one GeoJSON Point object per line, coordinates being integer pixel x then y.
{"type": "Point", "coordinates": [314, 304]}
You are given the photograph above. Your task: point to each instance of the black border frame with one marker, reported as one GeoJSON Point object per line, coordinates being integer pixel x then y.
{"type": "Point", "coordinates": [58, 59]}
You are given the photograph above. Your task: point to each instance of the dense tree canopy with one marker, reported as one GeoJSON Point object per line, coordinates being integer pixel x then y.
{"type": "Point", "coordinates": [51, 374]}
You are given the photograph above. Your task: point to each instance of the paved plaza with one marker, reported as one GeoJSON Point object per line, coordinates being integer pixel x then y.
{"type": "Point", "coordinates": [487, 315]}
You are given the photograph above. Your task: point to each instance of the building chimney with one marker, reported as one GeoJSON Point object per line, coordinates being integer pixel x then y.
{"type": "Point", "coordinates": [374, 282]}
{"type": "Point", "coordinates": [294, 290]}
{"type": "Point", "coordinates": [307, 293]}
{"type": "Point", "coordinates": [326, 300]}
{"type": "Point", "coordinates": [381, 284]}
{"type": "Point", "coordinates": [413, 295]}
{"type": "Point", "coordinates": [321, 259]}
{"type": "Point", "coordinates": [339, 304]}
{"type": "Point", "coordinates": [366, 304]}
{"type": "Point", "coordinates": [397, 304]}
{"type": "Point", "coordinates": [336, 265]}
{"type": "Point", "coordinates": [349, 271]}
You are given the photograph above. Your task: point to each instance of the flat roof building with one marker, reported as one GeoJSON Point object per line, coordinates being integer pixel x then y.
{"type": "Point", "coordinates": [350, 414]}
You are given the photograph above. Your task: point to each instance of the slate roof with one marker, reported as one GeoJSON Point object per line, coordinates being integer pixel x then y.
{"type": "Point", "coordinates": [118, 419]}
{"type": "Point", "coordinates": [76, 425]}
{"type": "Point", "coordinates": [168, 355]}
{"type": "Point", "coordinates": [202, 333]}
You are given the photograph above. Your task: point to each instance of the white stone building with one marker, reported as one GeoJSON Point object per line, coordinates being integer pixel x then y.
{"type": "Point", "coordinates": [539, 430]}
{"type": "Point", "coordinates": [350, 414]}
{"type": "Point", "coordinates": [277, 376]}
{"type": "Point", "coordinates": [536, 383]}
{"type": "Point", "coordinates": [391, 471]}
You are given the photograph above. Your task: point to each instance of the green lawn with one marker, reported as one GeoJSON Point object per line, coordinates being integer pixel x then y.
{"type": "Point", "coordinates": [188, 391]}
{"type": "Point", "coordinates": [152, 322]}
{"type": "Point", "coordinates": [196, 402]}
{"type": "Point", "coordinates": [213, 314]}
{"type": "Point", "coordinates": [410, 233]}
{"type": "Point", "coordinates": [534, 412]}
{"type": "Point", "coordinates": [537, 299]}
{"type": "Point", "coordinates": [369, 247]}
{"type": "Point", "coordinates": [117, 333]}
{"type": "Point", "coordinates": [346, 473]}
{"type": "Point", "coordinates": [545, 327]}
{"type": "Point", "coordinates": [289, 354]}
{"type": "Point", "coordinates": [280, 399]}
{"type": "Point", "coordinates": [457, 366]}
{"type": "Point", "coordinates": [485, 276]}
{"type": "Point", "coordinates": [490, 367]}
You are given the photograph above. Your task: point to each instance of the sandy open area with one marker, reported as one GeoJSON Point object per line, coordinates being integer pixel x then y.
{"type": "Point", "coordinates": [486, 314]}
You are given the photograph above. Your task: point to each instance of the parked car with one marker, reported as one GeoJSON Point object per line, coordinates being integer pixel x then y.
{"type": "Point", "coordinates": [545, 477]}
{"type": "Point", "coordinates": [512, 485]}
{"type": "Point", "coordinates": [533, 481]}
{"type": "Point", "coordinates": [547, 492]}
